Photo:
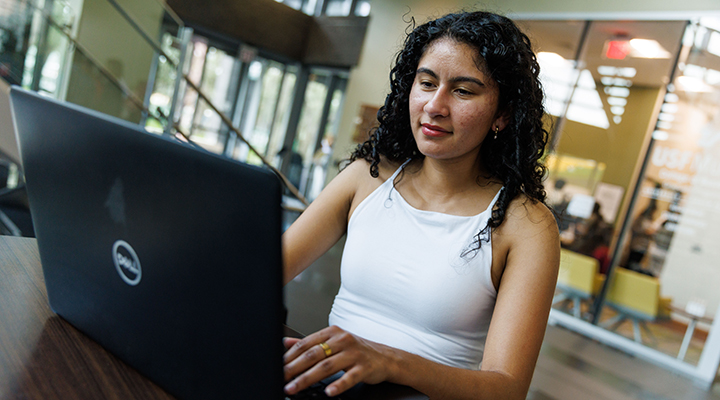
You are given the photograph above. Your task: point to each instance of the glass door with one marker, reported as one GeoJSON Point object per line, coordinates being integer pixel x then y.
{"type": "Point", "coordinates": [633, 175]}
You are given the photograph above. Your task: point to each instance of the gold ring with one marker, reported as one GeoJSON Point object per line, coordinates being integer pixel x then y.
{"type": "Point", "coordinates": [326, 349]}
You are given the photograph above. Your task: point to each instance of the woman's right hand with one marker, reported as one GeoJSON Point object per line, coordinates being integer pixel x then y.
{"type": "Point", "coordinates": [331, 350]}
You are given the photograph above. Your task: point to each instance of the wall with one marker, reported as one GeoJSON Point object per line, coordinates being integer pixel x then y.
{"type": "Point", "coordinates": [119, 48]}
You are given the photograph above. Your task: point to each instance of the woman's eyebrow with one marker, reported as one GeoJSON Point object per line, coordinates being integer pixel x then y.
{"type": "Point", "coordinates": [428, 71]}
{"type": "Point", "coordinates": [423, 70]}
{"type": "Point", "coordinates": [468, 79]}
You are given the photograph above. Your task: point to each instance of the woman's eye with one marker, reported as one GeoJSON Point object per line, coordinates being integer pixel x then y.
{"type": "Point", "coordinates": [463, 92]}
{"type": "Point", "coordinates": [426, 84]}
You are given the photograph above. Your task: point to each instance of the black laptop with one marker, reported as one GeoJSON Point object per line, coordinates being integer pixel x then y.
{"type": "Point", "coordinates": [167, 255]}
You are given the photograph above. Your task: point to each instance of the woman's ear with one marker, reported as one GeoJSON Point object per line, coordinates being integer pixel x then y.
{"type": "Point", "coordinates": [501, 121]}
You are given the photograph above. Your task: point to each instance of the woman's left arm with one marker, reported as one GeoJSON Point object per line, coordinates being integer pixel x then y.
{"type": "Point", "coordinates": [532, 249]}
{"type": "Point", "coordinates": [529, 245]}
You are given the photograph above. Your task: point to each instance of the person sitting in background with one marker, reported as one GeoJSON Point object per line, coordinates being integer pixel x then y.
{"type": "Point", "coordinates": [451, 256]}
{"type": "Point", "coordinates": [641, 231]}
{"type": "Point", "coordinates": [592, 238]}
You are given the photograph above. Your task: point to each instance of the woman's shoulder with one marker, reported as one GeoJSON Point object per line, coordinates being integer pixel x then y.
{"type": "Point", "coordinates": [360, 169]}
{"type": "Point", "coordinates": [528, 237]}
{"type": "Point", "coordinates": [526, 217]}
{"type": "Point", "coordinates": [357, 173]}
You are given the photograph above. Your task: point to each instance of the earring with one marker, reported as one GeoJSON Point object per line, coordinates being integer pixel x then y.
{"type": "Point", "coordinates": [497, 129]}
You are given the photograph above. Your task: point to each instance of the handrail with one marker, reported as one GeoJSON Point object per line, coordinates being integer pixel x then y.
{"type": "Point", "coordinates": [137, 102]}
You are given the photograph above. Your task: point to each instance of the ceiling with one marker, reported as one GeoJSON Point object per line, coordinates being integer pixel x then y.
{"type": "Point", "coordinates": [564, 37]}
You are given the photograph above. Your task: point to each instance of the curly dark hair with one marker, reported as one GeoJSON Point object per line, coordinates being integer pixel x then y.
{"type": "Point", "coordinates": [508, 58]}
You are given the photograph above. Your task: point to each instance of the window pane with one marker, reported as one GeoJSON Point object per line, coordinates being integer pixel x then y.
{"type": "Point", "coordinates": [362, 9]}
{"type": "Point", "coordinates": [338, 8]}
{"type": "Point", "coordinates": [161, 97]}
{"type": "Point", "coordinates": [196, 54]}
{"type": "Point", "coordinates": [296, 4]}
{"type": "Point", "coordinates": [282, 115]}
{"type": "Point", "coordinates": [309, 7]}
{"type": "Point", "coordinates": [306, 137]}
{"type": "Point", "coordinates": [323, 155]}
{"type": "Point", "coordinates": [269, 93]}
{"type": "Point", "coordinates": [216, 77]}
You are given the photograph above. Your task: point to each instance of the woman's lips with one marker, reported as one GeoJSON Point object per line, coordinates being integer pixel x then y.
{"type": "Point", "coordinates": [434, 131]}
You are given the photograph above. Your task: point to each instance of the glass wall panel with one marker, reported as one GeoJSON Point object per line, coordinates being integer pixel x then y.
{"type": "Point", "coordinates": [282, 115]}
{"type": "Point", "coordinates": [310, 121]}
{"type": "Point", "coordinates": [196, 51]}
{"type": "Point", "coordinates": [15, 23]}
{"type": "Point", "coordinates": [296, 4]}
{"type": "Point", "coordinates": [337, 8]}
{"type": "Point", "coordinates": [164, 84]}
{"type": "Point", "coordinates": [266, 108]}
{"type": "Point", "coordinates": [54, 51]}
{"type": "Point", "coordinates": [362, 8]}
{"type": "Point", "coordinates": [34, 52]}
{"type": "Point", "coordinates": [674, 232]}
{"type": "Point", "coordinates": [264, 104]}
{"type": "Point", "coordinates": [323, 154]}
{"type": "Point", "coordinates": [607, 90]}
{"type": "Point", "coordinates": [216, 77]}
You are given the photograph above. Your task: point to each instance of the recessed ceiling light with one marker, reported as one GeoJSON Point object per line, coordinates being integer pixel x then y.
{"type": "Point", "coordinates": [647, 48]}
{"type": "Point", "coordinates": [692, 84]}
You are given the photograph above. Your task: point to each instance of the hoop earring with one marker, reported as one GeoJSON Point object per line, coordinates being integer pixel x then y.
{"type": "Point", "coordinates": [497, 129]}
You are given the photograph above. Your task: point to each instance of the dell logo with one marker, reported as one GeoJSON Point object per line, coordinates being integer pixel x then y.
{"type": "Point", "coordinates": [127, 262]}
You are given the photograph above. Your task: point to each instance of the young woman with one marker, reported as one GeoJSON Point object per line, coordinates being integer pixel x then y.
{"type": "Point", "coordinates": [451, 256]}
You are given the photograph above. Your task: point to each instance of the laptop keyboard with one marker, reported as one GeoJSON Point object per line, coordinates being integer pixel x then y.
{"type": "Point", "coordinates": [313, 392]}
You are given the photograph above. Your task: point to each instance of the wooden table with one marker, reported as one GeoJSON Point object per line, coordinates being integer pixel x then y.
{"type": "Point", "coordinates": [44, 357]}
{"type": "Point", "coordinates": [41, 355]}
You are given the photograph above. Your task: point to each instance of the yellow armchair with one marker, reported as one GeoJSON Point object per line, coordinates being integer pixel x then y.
{"type": "Point", "coordinates": [577, 279]}
{"type": "Point", "coordinates": [635, 297]}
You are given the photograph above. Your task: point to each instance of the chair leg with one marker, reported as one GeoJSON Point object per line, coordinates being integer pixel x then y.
{"type": "Point", "coordinates": [648, 332]}
{"type": "Point", "coordinates": [576, 307]}
{"type": "Point", "coordinates": [613, 323]}
{"type": "Point", "coordinates": [636, 331]}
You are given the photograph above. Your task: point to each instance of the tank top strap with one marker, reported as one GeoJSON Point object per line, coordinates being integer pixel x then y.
{"type": "Point", "coordinates": [397, 171]}
{"type": "Point", "coordinates": [494, 200]}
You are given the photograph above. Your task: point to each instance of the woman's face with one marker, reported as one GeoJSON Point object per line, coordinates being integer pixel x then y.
{"type": "Point", "coordinates": [453, 104]}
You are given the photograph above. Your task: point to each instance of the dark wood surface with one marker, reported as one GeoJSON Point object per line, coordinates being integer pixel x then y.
{"type": "Point", "coordinates": [41, 355]}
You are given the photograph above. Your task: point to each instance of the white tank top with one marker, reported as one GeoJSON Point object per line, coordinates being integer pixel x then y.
{"type": "Point", "coordinates": [406, 285]}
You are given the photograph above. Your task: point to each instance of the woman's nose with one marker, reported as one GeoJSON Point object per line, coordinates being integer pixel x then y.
{"type": "Point", "coordinates": [437, 104]}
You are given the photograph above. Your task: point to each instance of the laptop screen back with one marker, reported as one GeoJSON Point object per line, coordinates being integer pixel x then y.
{"type": "Point", "coordinates": [166, 255]}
